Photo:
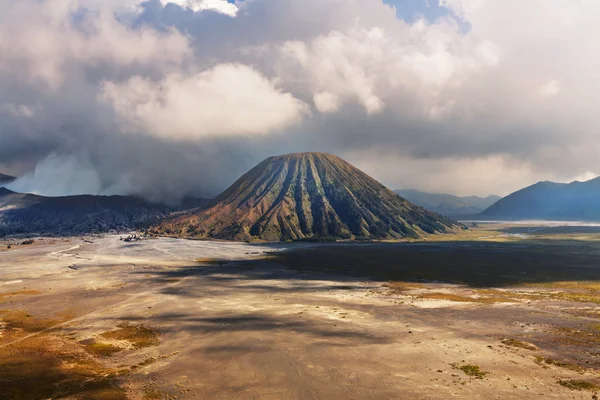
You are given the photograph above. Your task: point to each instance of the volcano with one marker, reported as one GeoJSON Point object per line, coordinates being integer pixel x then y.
{"type": "Point", "coordinates": [303, 196]}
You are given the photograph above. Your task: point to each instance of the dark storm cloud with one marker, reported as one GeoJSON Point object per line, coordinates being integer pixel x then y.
{"type": "Point", "coordinates": [166, 102]}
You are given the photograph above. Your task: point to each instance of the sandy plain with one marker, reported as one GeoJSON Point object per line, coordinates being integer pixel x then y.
{"type": "Point", "coordinates": [99, 318]}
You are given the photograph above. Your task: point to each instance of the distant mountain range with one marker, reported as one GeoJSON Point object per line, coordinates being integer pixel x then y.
{"type": "Point", "coordinates": [75, 215]}
{"type": "Point", "coordinates": [306, 196]}
{"type": "Point", "coordinates": [550, 200]}
{"type": "Point", "coordinates": [447, 204]}
{"type": "Point", "coordinates": [294, 197]}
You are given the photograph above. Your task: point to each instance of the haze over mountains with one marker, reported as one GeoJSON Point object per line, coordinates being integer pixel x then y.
{"type": "Point", "coordinates": [447, 204]}
{"type": "Point", "coordinates": [302, 196]}
{"type": "Point", "coordinates": [550, 200]}
{"type": "Point", "coordinates": [76, 215]}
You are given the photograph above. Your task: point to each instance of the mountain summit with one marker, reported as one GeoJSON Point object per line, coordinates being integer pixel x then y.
{"type": "Point", "coordinates": [306, 195]}
{"type": "Point", "coordinates": [550, 200]}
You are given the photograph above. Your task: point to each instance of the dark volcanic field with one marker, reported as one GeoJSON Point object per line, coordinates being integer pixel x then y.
{"type": "Point", "coordinates": [475, 264]}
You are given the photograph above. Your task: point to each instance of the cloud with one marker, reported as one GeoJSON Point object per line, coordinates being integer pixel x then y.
{"type": "Point", "coordinates": [21, 111]}
{"type": "Point", "coordinates": [327, 102]}
{"type": "Point", "coordinates": [229, 99]}
{"type": "Point", "coordinates": [166, 99]}
{"type": "Point", "coordinates": [77, 177]}
{"type": "Point", "coordinates": [57, 42]}
{"type": "Point", "coordinates": [449, 175]}
{"type": "Point", "coordinates": [375, 66]}
{"type": "Point", "coordinates": [220, 6]}
{"type": "Point", "coordinates": [550, 88]}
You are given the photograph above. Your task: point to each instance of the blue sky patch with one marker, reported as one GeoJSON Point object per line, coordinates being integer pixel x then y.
{"type": "Point", "coordinates": [410, 10]}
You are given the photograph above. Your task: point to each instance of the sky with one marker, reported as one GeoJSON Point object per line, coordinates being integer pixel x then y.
{"type": "Point", "coordinates": [411, 10]}
{"type": "Point", "coordinates": [166, 99]}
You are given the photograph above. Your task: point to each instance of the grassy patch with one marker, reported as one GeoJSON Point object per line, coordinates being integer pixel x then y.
{"type": "Point", "coordinates": [579, 385]}
{"type": "Point", "coordinates": [458, 298]}
{"type": "Point", "coordinates": [397, 287]}
{"type": "Point", "coordinates": [147, 361]}
{"type": "Point", "coordinates": [584, 336]}
{"type": "Point", "coordinates": [138, 335]}
{"type": "Point", "coordinates": [545, 361]}
{"type": "Point", "coordinates": [100, 349]}
{"type": "Point", "coordinates": [575, 291]}
{"type": "Point", "coordinates": [6, 296]}
{"type": "Point", "coordinates": [518, 343]}
{"type": "Point", "coordinates": [577, 297]}
{"type": "Point", "coordinates": [211, 261]}
{"type": "Point", "coordinates": [153, 393]}
{"type": "Point", "coordinates": [51, 367]}
{"type": "Point", "coordinates": [22, 321]}
{"type": "Point", "coordinates": [471, 370]}
{"type": "Point", "coordinates": [592, 286]}
{"type": "Point", "coordinates": [103, 389]}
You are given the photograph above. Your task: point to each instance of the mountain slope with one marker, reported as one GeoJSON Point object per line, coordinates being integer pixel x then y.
{"type": "Point", "coordinates": [549, 200]}
{"type": "Point", "coordinates": [298, 196]}
{"type": "Point", "coordinates": [74, 215]}
{"type": "Point", "coordinates": [447, 204]}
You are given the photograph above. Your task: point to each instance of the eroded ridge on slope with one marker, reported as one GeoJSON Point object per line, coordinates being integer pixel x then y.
{"type": "Point", "coordinates": [306, 195]}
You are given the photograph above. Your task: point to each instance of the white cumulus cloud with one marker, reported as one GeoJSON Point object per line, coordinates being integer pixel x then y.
{"type": "Point", "coordinates": [229, 99]}
{"type": "Point", "coordinates": [221, 6]}
{"type": "Point", "coordinates": [550, 88]}
{"type": "Point", "coordinates": [486, 89]}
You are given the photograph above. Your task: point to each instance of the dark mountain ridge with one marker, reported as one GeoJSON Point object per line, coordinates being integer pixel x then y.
{"type": "Point", "coordinates": [550, 200]}
{"type": "Point", "coordinates": [4, 179]}
{"type": "Point", "coordinates": [76, 215]}
{"type": "Point", "coordinates": [306, 195]}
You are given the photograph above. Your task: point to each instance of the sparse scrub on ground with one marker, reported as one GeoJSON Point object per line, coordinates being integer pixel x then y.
{"type": "Point", "coordinates": [458, 298]}
{"type": "Point", "coordinates": [153, 393]}
{"type": "Point", "coordinates": [27, 323]}
{"type": "Point", "coordinates": [520, 344]}
{"type": "Point", "coordinates": [47, 366]}
{"type": "Point", "coordinates": [576, 297]}
{"type": "Point", "coordinates": [545, 361]}
{"type": "Point", "coordinates": [584, 335]}
{"type": "Point", "coordinates": [211, 261]}
{"type": "Point", "coordinates": [100, 349]}
{"type": "Point", "coordinates": [398, 287]}
{"type": "Point", "coordinates": [471, 370]}
{"type": "Point", "coordinates": [579, 385]}
{"type": "Point", "coordinates": [7, 296]}
{"type": "Point", "coordinates": [592, 286]}
{"type": "Point", "coordinates": [138, 335]}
